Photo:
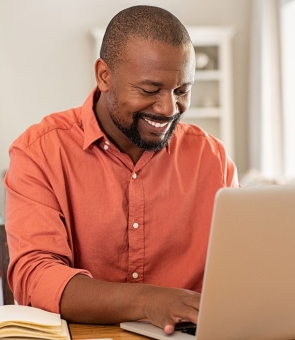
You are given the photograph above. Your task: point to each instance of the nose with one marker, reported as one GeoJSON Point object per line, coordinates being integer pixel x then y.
{"type": "Point", "coordinates": [166, 104]}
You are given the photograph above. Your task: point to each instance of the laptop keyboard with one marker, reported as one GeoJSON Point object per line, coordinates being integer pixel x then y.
{"type": "Point", "coordinates": [186, 327]}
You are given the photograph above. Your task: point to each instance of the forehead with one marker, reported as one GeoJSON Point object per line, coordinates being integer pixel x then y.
{"type": "Point", "coordinates": [145, 57]}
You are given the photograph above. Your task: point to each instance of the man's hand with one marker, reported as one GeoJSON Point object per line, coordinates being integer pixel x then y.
{"type": "Point", "coordinates": [86, 300]}
{"type": "Point", "coordinates": [167, 306]}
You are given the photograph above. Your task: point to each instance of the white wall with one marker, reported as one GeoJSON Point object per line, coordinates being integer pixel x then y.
{"type": "Point", "coordinates": [47, 57]}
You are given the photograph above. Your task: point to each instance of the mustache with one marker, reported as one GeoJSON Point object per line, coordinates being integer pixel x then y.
{"type": "Point", "coordinates": [156, 117]}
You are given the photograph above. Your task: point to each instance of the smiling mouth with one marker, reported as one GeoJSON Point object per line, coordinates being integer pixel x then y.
{"type": "Point", "coordinates": [156, 124]}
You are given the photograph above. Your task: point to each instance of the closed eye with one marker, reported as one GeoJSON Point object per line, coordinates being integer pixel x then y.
{"type": "Point", "coordinates": [179, 92]}
{"type": "Point", "coordinates": [150, 92]}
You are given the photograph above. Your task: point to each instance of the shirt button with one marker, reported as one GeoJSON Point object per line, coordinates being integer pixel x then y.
{"type": "Point", "coordinates": [134, 175]}
{"type": "Point", "coordinates": [135, 275]}
{"type": "Point", "coordinates": [135, 225]}
{"type": "Point", "coordinates": [105, 147]}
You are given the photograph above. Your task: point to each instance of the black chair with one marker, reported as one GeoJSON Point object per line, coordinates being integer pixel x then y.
{"type": "Point", "coordinates": [4, 260]}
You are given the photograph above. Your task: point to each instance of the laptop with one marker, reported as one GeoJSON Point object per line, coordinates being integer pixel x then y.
{"type": "Point", "coordinates": [249, 281]}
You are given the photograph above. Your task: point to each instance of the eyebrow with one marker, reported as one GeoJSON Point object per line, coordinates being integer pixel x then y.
{"type": "Point", "coordinates": [158, 84]}
{"type": "Point", "coordinates": [151, 82]}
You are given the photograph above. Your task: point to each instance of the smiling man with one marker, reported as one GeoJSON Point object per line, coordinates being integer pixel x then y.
{"type": "Point", "coordinates": [109, 205]}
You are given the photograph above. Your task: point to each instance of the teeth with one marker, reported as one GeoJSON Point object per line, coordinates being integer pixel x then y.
{"type": "Point", "coordinates": [156, 124]}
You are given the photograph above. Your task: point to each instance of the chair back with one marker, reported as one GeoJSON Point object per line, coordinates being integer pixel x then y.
{"type": "Point", "coordinates": [4, 260]}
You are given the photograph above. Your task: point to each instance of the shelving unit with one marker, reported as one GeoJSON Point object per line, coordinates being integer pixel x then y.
{"type": "Point", "coordinates": [212, 93]}
{"type": "Point", "coordinates": [212, 98]}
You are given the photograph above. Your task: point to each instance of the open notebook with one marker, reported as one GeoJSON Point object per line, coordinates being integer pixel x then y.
{"type": "Point", "coordinates": [249, 282]}
{"type": "Point", "coordinates": [24, 322]}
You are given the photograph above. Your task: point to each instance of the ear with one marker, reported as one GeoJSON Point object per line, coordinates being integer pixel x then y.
{"type": "Point", "coordinates": [102, 75]}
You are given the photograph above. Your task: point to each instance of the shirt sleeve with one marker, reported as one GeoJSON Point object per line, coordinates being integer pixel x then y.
{"type": "Point", "coordinates": [229, 169]}
{"type": "Point", "coordinates": [39, 239]}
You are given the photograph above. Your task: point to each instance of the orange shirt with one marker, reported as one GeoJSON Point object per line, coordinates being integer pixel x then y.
{"type": "Point", "coordinates": [76, 204]}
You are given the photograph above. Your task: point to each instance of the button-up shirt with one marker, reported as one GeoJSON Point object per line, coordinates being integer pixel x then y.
{"type": "Point", "coordinates": [77, 204]}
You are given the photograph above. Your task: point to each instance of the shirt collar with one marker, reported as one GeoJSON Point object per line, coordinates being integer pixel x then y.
{"type": "Point", "coordinates": [92, 130]}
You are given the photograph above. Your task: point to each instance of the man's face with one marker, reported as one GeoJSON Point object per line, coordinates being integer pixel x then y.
{"type": "Point", "coordinates": [150, 89]}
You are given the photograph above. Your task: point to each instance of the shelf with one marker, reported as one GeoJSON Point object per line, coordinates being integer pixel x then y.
{"type": "Point", "coordinates": [211, 94]}
{"type": "Point", "coordinates": [205, 94]}
{"type": "Point", "coordinates": [203, 112]}
{"type": "Point", "coordinates": [207, 75]}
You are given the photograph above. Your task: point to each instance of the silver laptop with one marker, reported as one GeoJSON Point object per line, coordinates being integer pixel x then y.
{"type": "Point", "coordinates": [249, 282]}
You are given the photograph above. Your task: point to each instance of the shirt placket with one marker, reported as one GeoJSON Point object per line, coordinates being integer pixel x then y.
{"type": "Point", "coordinates": [136, 229]}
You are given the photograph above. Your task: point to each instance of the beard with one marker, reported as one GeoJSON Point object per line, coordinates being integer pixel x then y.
{"type": "Point", "coordinates": [133, 133]}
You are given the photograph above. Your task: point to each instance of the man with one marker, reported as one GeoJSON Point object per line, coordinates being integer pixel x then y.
{"type": "Point", "coordinates": [109, 205]}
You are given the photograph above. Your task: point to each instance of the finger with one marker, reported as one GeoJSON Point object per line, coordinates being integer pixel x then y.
{"type": "Point", "coordinates": [169, 329]}
{"type": "Point", "coordinates": [193, 299]}
{"type": "Point", "coordinates": [188, 312]}
{"type": "Point", "coordinates": [170, 325]}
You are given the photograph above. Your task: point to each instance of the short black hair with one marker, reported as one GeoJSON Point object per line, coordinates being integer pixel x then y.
{"type": "Point", "coordinates": [146, 22]}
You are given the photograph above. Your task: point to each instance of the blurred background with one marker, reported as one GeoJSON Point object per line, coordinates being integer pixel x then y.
{"type": "Point", "coordinates": [47, 55]}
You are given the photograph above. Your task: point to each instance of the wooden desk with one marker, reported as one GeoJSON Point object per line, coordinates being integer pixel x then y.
{"type": "Point", "coordinates": [79, 331]}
